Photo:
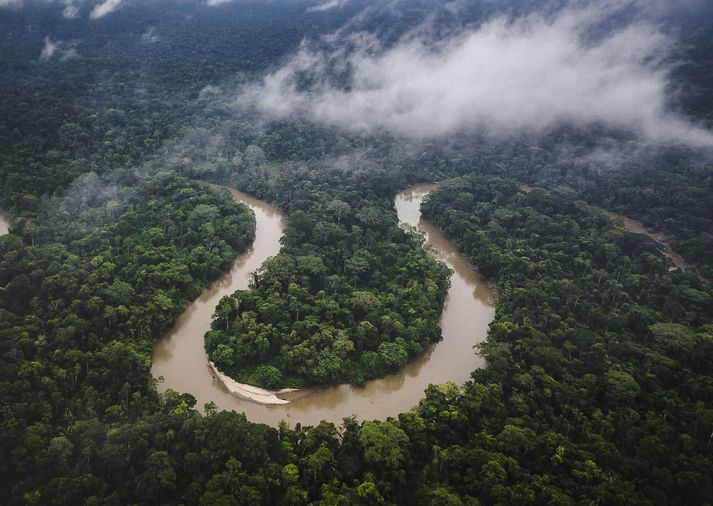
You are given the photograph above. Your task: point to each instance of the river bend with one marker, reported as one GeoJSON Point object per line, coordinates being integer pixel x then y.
{"type": "Point", "coordinates": [179, 355]}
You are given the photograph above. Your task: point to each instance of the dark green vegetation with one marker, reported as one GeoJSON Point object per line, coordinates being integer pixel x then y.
{"type": "Point", "coordinates": [600, 359]}
{"type": "Point", "coordinates": [597, 390]}
{"type": "Point", "coordinates": [116, 104]}
{"type": "Point", "coordinates": [678, 202]}
{"type": "Point", "coordinates": [82, 297]}
{"type": "Point", "coordinates": [599, 387]}
{"type": "Point", "coordinates": [350, 297]}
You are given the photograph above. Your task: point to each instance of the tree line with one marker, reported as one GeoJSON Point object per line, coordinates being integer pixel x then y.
{"type": "Point", "coordinates": [351, 296]}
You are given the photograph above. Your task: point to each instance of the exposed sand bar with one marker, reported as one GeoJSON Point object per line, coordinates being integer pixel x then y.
{"type": "Point", "coordinates": [179, 356]}
{"type": "Point", "coordinates": [4, 223]}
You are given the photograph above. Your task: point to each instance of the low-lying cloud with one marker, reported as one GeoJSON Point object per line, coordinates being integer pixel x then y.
{"type": "Point", "coordinates": [48, 50]}
{"type": "Point", "coordinates": [56, 48]}
{"type": "Point", "coordinates": [104, 8]}
{"type": "Point", "coordinates": [507, 76]}
{"type": "Point", "coordinates": [71, 9]}
{"type": "Point", "coordinates": [327, 5]}
{"type": "Point", "coordinates": [216, 3]}
{"type": "Point", "coordinates": [150, 36]}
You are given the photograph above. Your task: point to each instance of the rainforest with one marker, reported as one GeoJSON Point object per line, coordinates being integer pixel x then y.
{"type": "Point", "coordinates": [356, 252]}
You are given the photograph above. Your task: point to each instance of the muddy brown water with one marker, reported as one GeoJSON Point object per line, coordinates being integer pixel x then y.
{"type": "Point", "coordinates": [635, 227]}
{"type": "Point", "coordinates": [4, 223]}
{"type": "Point", "coordinates": [179, 356]}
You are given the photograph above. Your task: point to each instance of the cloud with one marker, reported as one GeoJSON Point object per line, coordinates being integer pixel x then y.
{"type": "Point", "coordinates": [328, 5]}
{"type": "Point", "coordinates": [68, 54]}
{"type": "Point", "coordinates": [63, 50]}
{"type": "Point", "coordinates": [215, 3]}
{"type": "Point", "coordinates": [48, 50]}
{"type": "Point", "coordinates": [150, 36]}
{"type": "Point", "coordinates": [530, 74]}
{"type": "Point", "coordinates": [104, 8]}
{"type": "Point", "coordinates": [71, 10]}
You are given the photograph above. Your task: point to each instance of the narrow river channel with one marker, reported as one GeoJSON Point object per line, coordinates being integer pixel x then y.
{"type": "Point", "coordinates": [635, 227]}
{"type": "Point", "coordinates": [179, 356]}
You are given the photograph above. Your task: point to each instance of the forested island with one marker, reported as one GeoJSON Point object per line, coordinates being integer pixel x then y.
{"type": "Point", "coordinates": [349, 297]}
{"type": "Point", "coordinates": [122, 127]}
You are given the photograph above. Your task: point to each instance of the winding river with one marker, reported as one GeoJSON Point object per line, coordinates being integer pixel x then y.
{"type": "Point", "coordinates": [4, 223]}
{"type": "Point", "coordinates": [179, 356]}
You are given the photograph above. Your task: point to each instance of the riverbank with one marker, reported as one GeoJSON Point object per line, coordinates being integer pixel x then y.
{"type": "Point", "coordinates": [635, 227]}
{"type": "Point", "coordinates": [251, 392]}
{"type": "Point", "coordinates": [179, 356]}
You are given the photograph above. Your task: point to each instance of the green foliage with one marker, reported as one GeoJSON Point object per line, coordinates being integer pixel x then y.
{"type": "Point", "coordinates": [351, 295]}
{"type": "Point", "coordinates": [75, 374]}
{"type": "Point", "coordinates": [598, 358]}
{"type": "Point", "coordinates": [598, 387]}
{"type": "Point", "coordinates": [384, 445]}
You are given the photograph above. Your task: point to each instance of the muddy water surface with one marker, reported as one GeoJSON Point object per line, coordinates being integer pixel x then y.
{"type": "Point", "coordinates": [179, 356]}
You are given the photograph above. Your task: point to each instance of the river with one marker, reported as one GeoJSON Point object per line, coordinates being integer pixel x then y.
{"type": "Point", "coordinates": [635, 227]}
{"type": "Point", "coordinates": [179, 356]}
